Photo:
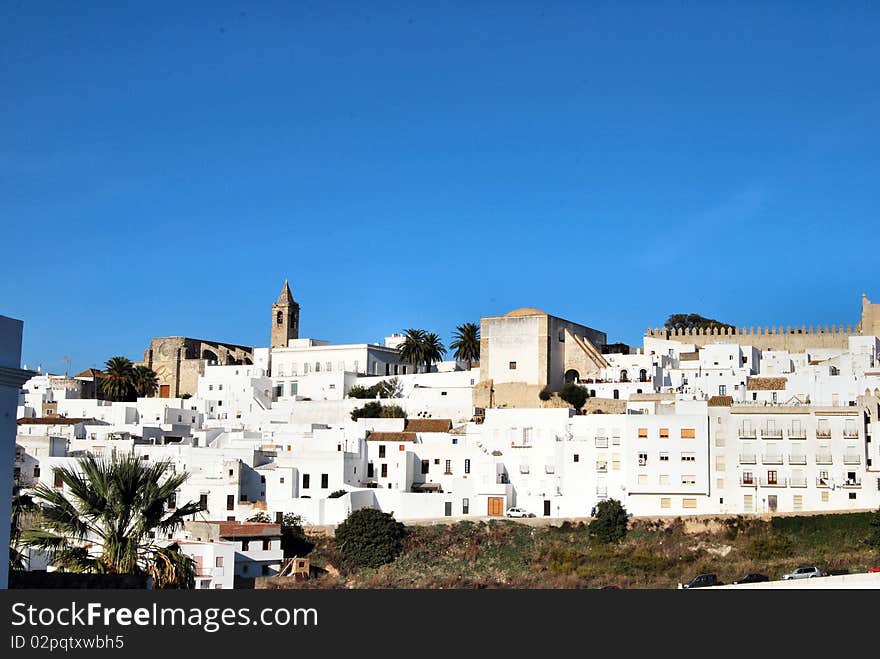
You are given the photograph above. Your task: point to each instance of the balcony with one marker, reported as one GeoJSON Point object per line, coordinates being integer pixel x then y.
{"type": "Point", "coordinates": [747, 481]}
{"type": "Point", "coordinates": [747, 458]}
{"type": "Point", "coordinates": [824, 459]}
{"type": "Point", "coordinates": [797, 459]}
{"type": "Point", "coordinates": [771, 459]}
{"type": "Point", "coordinates": [524, 469]}
{"type": "Point", "coordinates": [772, 433]}
{"type": "Point", "coordinates": [852, 482]}
{"type": "Point", "coordinates": [601, 442]}
{"type": "Point", "coordinates": [549, 469]}
{"type": "Point", "coordinates": [797, 481]}
{"type": "Point", "coordinates": [747, 433]}
{"type": "Point", "coordinates": [823, 434]}
{"type": "Point", "coordinates": [852, 459]}
{"type": "Point", "coordinates": [797, 434]}
{"type": "Point", "coordinates": [778, 482]}
{"type": "Point", "coordinates": [851, 434]}
{"type": "Point", "coordinates": [601, 491]}
{"type": "Point", "coordinates": [602, 467]}
{"type": "Point", "coordinates": [823, 482]}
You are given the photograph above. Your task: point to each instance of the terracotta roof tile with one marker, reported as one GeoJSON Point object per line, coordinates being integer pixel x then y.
{"type": "Point", "coordinates": [391, 437]}
{"type": "Point", "coordinates": [766, 384]}
{"type": "Point", "coordinates": [428, 425]}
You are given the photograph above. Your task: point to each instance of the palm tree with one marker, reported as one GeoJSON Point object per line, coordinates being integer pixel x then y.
{"type": "Point", "coordinates": [22, 506]}
{"type": "Point", "coordinates": [145, 381]}
{"type": "Point", "coordinates": [103, 517]}
{"type": "Point", "coordinates": [432, 350]}
{"type": "Point", "coordinates": [117, 381]}
{"type": "Point", "coordinates": [411, 350]}
{"type": "Point", "coordinates": [467, 343]}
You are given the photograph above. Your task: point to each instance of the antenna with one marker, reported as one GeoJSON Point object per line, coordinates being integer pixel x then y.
{"type": "Point", "coordinates": [67, 361]}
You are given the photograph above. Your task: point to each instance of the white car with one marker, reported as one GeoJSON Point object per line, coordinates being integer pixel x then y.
{"type": "Point", "coordinates": [518, 512]}
{"type": "Point", "coordinates": [804, 573]}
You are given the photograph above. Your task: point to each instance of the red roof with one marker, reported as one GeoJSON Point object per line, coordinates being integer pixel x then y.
{"type": "Point", "coordinates": [247, 529]}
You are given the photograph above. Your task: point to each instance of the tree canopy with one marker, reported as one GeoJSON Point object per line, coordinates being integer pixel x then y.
{"type": "Point", "coordinates": [369, 538]}
{"type": "Point", "coordinates": [688, 321]}
{"type": "Point", "coordinates": [467, 343]}
{"type": "Point", "coordinates": [609, 524]}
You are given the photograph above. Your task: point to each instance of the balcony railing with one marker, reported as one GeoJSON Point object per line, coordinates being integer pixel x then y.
{"type": "Point", "coordinates": [601, 442]}
{"type": "Point", "coordinates": [772, 433]}
{"type": "Point", "coordinates": [851, 434]}
{"type": "Point", "coordinates": [797, 481]}
{"type": "Point", "coordinates": [749, 482]}
{"type": "Point", "coordinates": [850, 482]}
{"type": "Point", "coordinates": [797, 459]}
{"type": "Point", "coordinates": [747, 433]}
{"type": "Point", "coordinates": [823, 482]}
{"type": "Point", "coordinates": [824, 459]}
{"type": "Point", "coordinates": [823, 434]}
{"type": "Point", "coordinates": [771, 459]}
{"type": "Point", "coordinates": [797, 434]}
{"type": "Point", "coordinates": [601, 491]}
{"type": "Point", "coordinates": [852, 459]}
{"type": "Point", "coordinates": [778, 482]}
{"type": "Point", "coordinates": [549, 469]}
{"type": "Point", "coordinates": [747, 458]}
{"type": "Point", "coordinates": [524, 469]}
{"type": "Point", "coordinates": [602, 467]}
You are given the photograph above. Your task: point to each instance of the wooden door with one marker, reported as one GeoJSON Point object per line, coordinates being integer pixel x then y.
{"type": "Point", "coordinates": [496, 506]}
{"type": "Point", "coordinates": [164, 391]}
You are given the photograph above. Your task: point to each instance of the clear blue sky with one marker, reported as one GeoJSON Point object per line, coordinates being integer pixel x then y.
{"type": "Point", "coordinates": [163, 169]}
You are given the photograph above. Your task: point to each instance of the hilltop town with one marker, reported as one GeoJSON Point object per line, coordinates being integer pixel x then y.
{"type": "Point", "coordinates": [536, 413]}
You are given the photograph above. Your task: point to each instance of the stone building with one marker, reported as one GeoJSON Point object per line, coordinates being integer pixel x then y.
{"type": "Point", "coordinates": [179, 361]}
{"type": "Point", "coordinates": [285, 318]}
{"type": "Point", "coordinates": [526, 350]}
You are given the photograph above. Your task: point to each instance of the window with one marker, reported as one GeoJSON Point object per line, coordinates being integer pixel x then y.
{"type": "Point", "coordinates": [267, 545]}
{"type": "Point", "coordinates": [825, 496]}
{"type": "Point", "coordinates": [467, 466]}
{"type": "Point", "coordinates": [245, 545]}
{"type": "Point", "coordinates": [230, 502]}
{"type": "Point", "coordinates": [369, 470]}
{"type": "Point", "coordinates": [281, 481]}
{"type": "Point", "coordinates": [306, 479]}
{"type": "Point", "coordinates": [664, 479]}
{"type": "Point", "coordinates": [688, 479]}
{"type": "Point", "coordinates": [664, 433]}
{"type": "Point", "coordinates": [798, 502]}
{"type": "Point", "coordinates": [57, 476]}
{"type": "Point", "coordinates": [643, 433]}
{"type": "Point", "coordinates": [172, 501]}
{"type": "Point", "coordinates": [562, 336]}
{"type": "Point", "coordinates": [36, 472]}
{"type": "Point", "coordinates": [722, 389]}
{"type": "Point", "coordinates": [688, 457]}
{"type": "Point", "coordinates": [688, 503]}
{"type": "Point", "coordinates": [263, 480]}
{"type": "Point", "coordinates": [381, 450]}
{"type": "Point", "coordinates": [748, 503]}
{"type": "Point", "coordinates": [664, 457]}
{"type": "Point", "coordinates": [203, 501]}
{"type": "Point", "coordinates": [325, 479]}
{"type": "Point", "coordinates": [772, 478]}
{"type": "Point", "coordinates": [643, 479]}
{"type": "Point", "coordinates": [384, 470]}
{"type": "Point", "coordinates": [218, 561]}
{"type": "Point", "coordinates": [643, 459]}
{"type": "Point", "coordinates": [852, 495]}
{"type": "Point", "coordinates": [512, 366]}
{"type": "Point", "coordinates": [665, 502]}
{"type": "Point", "coordinates": [294, 388]}
{"type": "Point", "coordinates": [425, 466]}
{"type": "Point", "coordinates": [688, 433]}
{"type": "Point", "coordinates": [577, 458]}
{"type": "Point", "coordinates": [448, 467]}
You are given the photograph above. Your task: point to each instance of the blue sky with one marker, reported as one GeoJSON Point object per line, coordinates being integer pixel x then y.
{"type": "Point", "coordinates": [163, 169]}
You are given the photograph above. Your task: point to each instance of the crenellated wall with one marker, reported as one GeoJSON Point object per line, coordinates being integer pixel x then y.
{"type": "Point", "coordinates": [793, 339]}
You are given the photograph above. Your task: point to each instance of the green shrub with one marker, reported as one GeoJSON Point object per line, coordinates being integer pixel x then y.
{"type": "Point", "coordinates": [336, 494]}
{"type": "Point", "coordinates": [375, 410]}
{"type": "Point", "coordinates": [574, 395]}
{"type": "Point", "coordinates": [610, 523]}
{"type": "Point", "coordinates": [369, 538]}
{"type": "Point", "coordinates": [545, 394]}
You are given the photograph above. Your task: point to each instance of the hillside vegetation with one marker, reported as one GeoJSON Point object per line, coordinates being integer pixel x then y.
{"type": "Point", "coordinates": [654, 554]}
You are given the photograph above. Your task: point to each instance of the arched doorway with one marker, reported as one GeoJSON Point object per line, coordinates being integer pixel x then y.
{"type": "Point", "coordinates": [643, 375]}
{"type": "Point", "coordinates": [571, 375]}
{"type": "Point", "coordinates": [624, 376]}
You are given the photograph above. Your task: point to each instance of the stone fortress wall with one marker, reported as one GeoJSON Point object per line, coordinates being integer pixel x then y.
{"type": "Point", "coordinates": [792, 339]}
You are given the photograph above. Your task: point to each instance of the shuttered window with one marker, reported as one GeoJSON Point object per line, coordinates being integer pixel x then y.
{"type": "Point", "coordinates": [665, 502]}
{"type": "Point", "coordinates": [688, 503]}
{"type": "Point", "coordinates": [643, 432]}
{"type": "Point", "coordinates": [688, 433]}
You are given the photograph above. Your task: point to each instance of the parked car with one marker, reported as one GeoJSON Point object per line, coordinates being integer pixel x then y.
{"type": "Point", "coordinates": [753, 578]}
{"type": "Point", "coordinates": [876, 568]}
{"type": "Point", "coordinates": [518, 512]}
{"type": "Point", "coordinates": [804, 572]}
{"type": "Point", "coordinates": [703, 580]}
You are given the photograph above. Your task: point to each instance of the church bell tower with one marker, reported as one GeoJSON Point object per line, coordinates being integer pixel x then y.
{"type": "Point", "coordinates": [285, 318]}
